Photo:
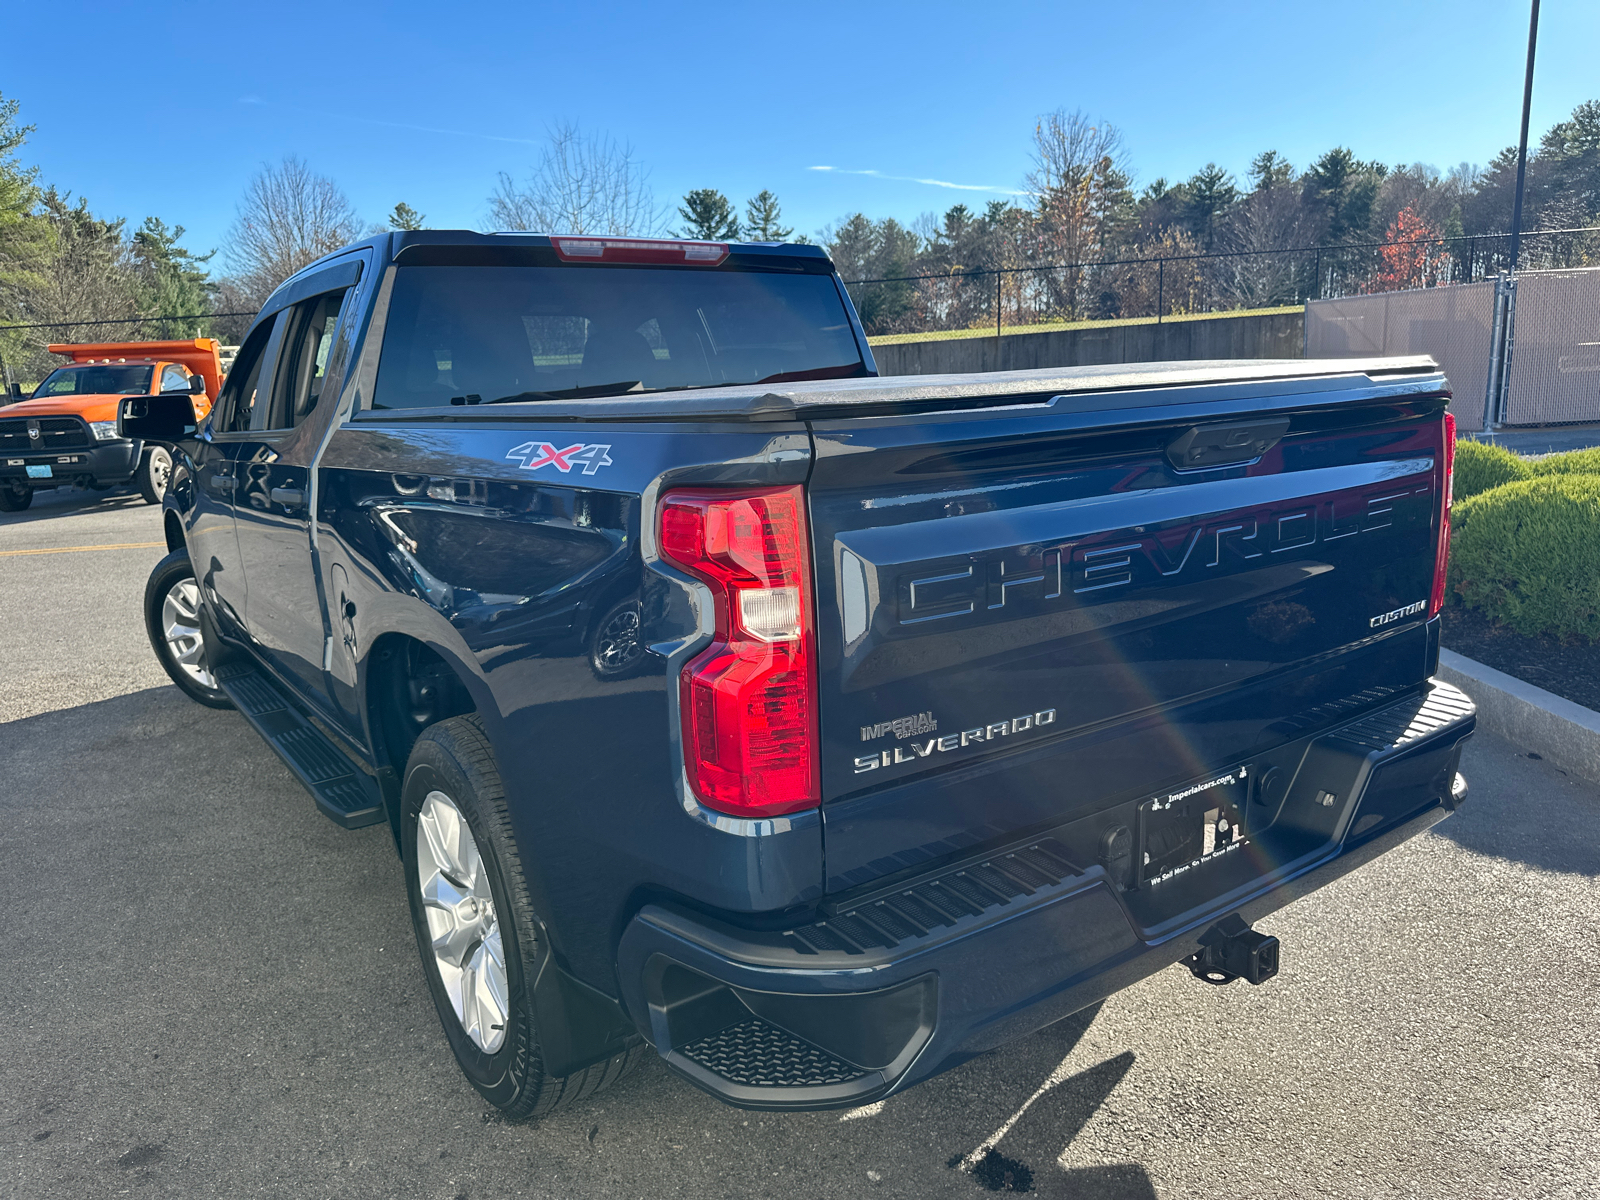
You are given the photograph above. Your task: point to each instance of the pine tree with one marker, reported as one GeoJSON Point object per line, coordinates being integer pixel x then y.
{"type": "Point", "coordinates": [405, 217]}
{"type": "Point", "coordinates": [1269, 169]}
{"type": "Point", "coordinates": [171, 281]}
{"type": "Point", "coordinates": [24, 236]}
{"type": "Point", "coordinates": [761, 216]}
{"type": "Point", "coordinates": [708, 215]}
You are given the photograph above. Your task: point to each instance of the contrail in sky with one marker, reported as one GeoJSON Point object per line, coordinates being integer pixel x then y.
{"type": "Point", "coordinates": [944, 183]}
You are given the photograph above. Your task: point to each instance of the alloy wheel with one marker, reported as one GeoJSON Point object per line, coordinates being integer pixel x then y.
{"type": "Point", "coordinates": [462, 922]}
{"type": "Point", "coordinates": [180, 625]}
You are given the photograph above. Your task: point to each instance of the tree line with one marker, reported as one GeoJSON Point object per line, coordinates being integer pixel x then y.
{"type": "Point", "coordinates": [61, 263]}
{"type": "Point", "coordinates": [1082, 206]}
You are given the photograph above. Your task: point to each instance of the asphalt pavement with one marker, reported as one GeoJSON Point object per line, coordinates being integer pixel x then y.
{"type": "Point", "coordinates": [210, 990]}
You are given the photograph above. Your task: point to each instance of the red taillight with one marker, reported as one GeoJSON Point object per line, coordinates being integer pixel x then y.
{"type": "Point", "coordinates": [1441, 558]}
{"type": "Point", "coordinates": [749, 700]}
{"type": "Point", "coordinates": [638, 250]}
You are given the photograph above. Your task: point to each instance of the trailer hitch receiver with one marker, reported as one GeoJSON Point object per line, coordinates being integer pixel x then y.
{"type": "Point", "coordinates": [1231, 950]}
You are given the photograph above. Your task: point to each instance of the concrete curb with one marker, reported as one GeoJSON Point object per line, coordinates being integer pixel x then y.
{"type": "Point", "coordinates": [1565, 734]}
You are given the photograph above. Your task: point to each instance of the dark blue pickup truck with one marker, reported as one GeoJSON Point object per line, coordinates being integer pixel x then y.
{"type": "Point", "coordinates": [816, 729]}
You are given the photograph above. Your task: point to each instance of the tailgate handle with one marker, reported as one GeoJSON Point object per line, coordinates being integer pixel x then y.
{"type": "Point", "coordinates": [1201, 447]}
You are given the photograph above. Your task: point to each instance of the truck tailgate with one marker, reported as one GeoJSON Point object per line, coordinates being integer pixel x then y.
{"type": "Point", "coordinates": [1031, 612]}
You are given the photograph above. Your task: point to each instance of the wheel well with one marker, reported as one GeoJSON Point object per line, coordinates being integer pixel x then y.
{"type": "Point", "coordinates": [409, 687]}
{"type": "Point", "coordinates": [172, 525]}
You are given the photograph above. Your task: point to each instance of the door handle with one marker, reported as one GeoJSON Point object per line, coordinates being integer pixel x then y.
{"type": "Point", "coordinates": [288, 497]}
{"type": "Point", "coordinates": [222, 483]}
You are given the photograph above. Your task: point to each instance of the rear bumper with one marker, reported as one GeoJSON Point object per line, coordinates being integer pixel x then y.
{"type": "Point", "coordinates": [917, 978]}
{"type": "Point", "coordinates": [102, 462]}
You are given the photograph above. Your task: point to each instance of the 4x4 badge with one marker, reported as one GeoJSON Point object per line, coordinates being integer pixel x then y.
{"type": "Point", "coordinates": [542, 454]}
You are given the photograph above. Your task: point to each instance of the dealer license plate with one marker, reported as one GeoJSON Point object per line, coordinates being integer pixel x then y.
{"type": "Point", "coordinates": [1192, 825]}
{"type": "Point", "coordinates": [40, 472]}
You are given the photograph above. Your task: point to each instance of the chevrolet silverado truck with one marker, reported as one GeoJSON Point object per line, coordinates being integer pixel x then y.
{"type": "Point", "coordinates": [816, 730]}
{"type": "Point", "coordinates": [65, 434]}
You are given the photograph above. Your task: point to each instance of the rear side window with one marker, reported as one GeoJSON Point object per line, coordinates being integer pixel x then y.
{"type": "Point", "coordinates": [473, 334]}
{"type": "Point", "coordinates": [304, 356]}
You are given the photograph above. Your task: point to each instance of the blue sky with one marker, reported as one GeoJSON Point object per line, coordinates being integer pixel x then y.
{"type": "Point", "coordinates": [168, 108]}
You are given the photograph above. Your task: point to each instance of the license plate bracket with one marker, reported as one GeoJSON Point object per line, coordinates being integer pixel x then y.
{"type": "Point", "coordinates": [1190, 826]}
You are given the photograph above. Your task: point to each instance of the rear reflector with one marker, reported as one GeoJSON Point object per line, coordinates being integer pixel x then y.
{"type": "Point", "coordinates": [1441, 558]}
{"type": "Point", "coordinates": [638, 250]}
{"type": "Point", "coordinates": [749, 700]}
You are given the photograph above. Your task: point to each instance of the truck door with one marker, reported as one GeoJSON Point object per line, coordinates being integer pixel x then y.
{"type": "Point", "coordinates": [285, 609]}
{"type": "Point", "coordinates": [213, 541]}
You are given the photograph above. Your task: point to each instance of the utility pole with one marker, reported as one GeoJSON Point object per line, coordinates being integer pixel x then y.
{"type": "Point", "coordinates": [1522, 144]}
{"type": "Point", "coordinates": [1500, 364]}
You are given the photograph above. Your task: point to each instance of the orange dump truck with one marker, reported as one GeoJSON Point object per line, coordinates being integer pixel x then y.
{"type": "Point", "coordinates": [65, 434]}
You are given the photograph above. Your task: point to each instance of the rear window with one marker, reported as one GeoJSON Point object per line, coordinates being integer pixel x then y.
{"type": "Point", "coordinates": [478, 334]}
{"type": "Point", "coordinates": [96, 379]}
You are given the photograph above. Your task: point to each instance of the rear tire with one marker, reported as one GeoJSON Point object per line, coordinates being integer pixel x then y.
{"type": "Point", "coordinates": [475, 923]}
{"type": "Point", "coordinates": [155, 472]}
{"type": "Point", "coordinates": [15, 499]}
{"type": "Point", "coordinates": [172, 619]}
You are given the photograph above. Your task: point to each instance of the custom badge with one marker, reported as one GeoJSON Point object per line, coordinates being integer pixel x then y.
{"type": "Point", "coordinates": [591, 457]}
{"type": "Point", "coordinates": [1394, 615]}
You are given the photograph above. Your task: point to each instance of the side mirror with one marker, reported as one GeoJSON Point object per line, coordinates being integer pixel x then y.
{"type": "Point", "coordinates": [197, 385]}
{"type": "Point", "coordinates": [166, 418]}
{"type": "Point", "coordinates": [14, 392]}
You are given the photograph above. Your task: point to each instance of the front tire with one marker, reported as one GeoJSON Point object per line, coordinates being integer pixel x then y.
{"type": "Point", "coordinates": [155, 472]}
{"type": "Point", "coordinates": [476, 929]}
{"type": "Point", "coordinates": [172, 619]}
{"type": "Point", "coordinates": [15, 499]}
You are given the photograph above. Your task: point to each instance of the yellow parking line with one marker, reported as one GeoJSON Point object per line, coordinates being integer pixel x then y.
{"type": "Point", "coordinates": [75, 549]}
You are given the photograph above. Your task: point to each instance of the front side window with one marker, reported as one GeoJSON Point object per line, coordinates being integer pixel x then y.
{"type": "Point", "coordinates": [96, 379]}
{"type": "Point", "coordinates": [477, 334]}
{"type": "Point", "coordinates": [236, 405]}
{"type": "Point", "coordinates": [174, 378]}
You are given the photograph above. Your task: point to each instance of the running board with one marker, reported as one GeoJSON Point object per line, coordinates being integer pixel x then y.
{"type": "Point", "coordinates": [345, 795]}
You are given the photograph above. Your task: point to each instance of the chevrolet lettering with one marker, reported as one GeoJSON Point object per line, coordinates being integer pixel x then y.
{"type": "Point", "coordinates": [1086, 567]}
{"type": "Point", "coordinates": [755, 735]}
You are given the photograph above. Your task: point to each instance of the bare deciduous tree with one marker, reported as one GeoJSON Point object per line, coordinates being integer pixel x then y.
{"type": "Point", "coordinates": [289, 217]}
{"type": "Point", "coordinates": [1270, 218]}
{"type": "Point", "coordinates": [1080, 186]}
{"type": "Point", "coordinates": [583, 183]}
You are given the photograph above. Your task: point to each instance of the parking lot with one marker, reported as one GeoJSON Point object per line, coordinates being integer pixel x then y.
{"type": "Point", "coordinates": [210, 990]}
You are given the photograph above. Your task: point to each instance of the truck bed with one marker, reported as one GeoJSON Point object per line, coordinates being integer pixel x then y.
{"type": "Point", "coordinates": [1077, 390]}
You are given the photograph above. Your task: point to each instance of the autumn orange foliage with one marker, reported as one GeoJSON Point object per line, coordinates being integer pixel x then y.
{"type": "Point", "coordinates": [1414, 261]}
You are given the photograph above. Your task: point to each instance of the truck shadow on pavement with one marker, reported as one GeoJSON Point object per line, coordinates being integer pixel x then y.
{"type": "Point", "coordinates": [246, 1013]}
{"type": "Point", "coordinates": [75, 502]}
{"type": "Point", "coordinates": [1565, 838]}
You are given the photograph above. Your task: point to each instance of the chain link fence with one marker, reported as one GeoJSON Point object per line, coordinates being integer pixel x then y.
{"type": "Point", "coordinates": [1028, 298]}
{"type": "Point", "coordinates": [1554, 372]}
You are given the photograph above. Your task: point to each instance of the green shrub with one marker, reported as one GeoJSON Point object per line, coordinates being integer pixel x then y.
{"type": "Point", "coordinates": [1573, 462]}
{"type": "Point", "coordinates": [1481, 466]}
{"type": "Point", "coordinates": [1528, 555]}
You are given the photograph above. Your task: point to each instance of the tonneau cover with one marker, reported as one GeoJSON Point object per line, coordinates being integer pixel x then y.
{"type": "Point", "coordinates": [863, 397]}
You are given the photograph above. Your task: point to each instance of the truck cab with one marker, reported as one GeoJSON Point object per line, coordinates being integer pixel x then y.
{"type": "Point", "coordinates": [65, 434]}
